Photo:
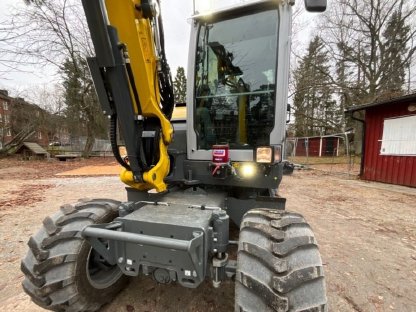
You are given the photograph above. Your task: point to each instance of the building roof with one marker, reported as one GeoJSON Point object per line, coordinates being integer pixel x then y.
{"type": "Point", "coordinates": [35, 148]}
{"type": "Point", "coordinates": [401, 99]}
{"type": "Point", "coordinates": [4, 94]}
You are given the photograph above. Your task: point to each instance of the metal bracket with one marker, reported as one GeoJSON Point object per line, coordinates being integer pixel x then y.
{"type": "Point", "coordinates": [101, 231]}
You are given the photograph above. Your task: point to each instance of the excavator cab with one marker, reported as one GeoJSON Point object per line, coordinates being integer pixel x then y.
{"type": "Point", "coordinates": [189, 174]}
{"type": "Point", "coordinates": [232, 88]}
{"type": "Point", "coordinates": [236, 97]}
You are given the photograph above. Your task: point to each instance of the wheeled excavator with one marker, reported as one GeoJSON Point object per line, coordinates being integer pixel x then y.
{"type": "Point", "coordinates": [188, 176]}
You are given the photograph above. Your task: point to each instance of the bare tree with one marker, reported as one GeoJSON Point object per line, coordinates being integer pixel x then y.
{"type": "Point", "coordinates": [49, 32]}
{"type": "Point", "coordinates": [49, 97]}
{"type": "Point", "coordinates": [371, 41]}
{"type": "Point", "coordinates": [9, 62]}
{"type": "Point", "coordinates": [298, 26]}
{"type": "Point", "coordinates": [55, 32]}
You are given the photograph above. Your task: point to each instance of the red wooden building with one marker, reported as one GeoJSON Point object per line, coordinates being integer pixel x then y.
{"type": "Point", "coordinates": [316, 146]}
{"type": "Point", "coordinates": [389, 144]}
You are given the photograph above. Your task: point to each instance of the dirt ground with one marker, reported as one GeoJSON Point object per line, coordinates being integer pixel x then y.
{"type": "Point", "coordinates": [366, 232]}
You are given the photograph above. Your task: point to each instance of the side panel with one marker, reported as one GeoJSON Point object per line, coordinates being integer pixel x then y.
{"type": "Point", "coordinates": [190, 134]}
{"type": "Point", "coordinates": [282, 80]}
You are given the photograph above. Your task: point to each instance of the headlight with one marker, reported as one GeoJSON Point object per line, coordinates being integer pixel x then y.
{"type": "Point", "coordinates": [264, 155]}
{"type": "Point", "coordinates": [248, 170]}
{"type": "Point", "coordinates": [277, 153]}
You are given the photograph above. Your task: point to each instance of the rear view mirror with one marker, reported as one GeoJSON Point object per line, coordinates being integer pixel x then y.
{"type": "Point", "coordinates": [315, 5]}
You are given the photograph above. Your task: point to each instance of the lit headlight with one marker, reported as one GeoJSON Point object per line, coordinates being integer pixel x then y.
{"type": "Point", "coordinates": [264, 155]}
{"type": "Point", "coordinates": [248, 170]}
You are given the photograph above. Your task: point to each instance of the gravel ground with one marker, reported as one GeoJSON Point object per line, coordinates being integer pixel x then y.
{"type": "Point", "coordinates": [366, 231]}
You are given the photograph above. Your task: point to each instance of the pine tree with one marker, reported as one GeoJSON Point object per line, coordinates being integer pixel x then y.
{"type": "Point", "coordinates": [179, 85]}
{"type": "Point", "coordinates": [83, 112]}
{"type": "Point", "coordinates": [395, 36]}
{"type": "Point", "coordinates": [316, 112]}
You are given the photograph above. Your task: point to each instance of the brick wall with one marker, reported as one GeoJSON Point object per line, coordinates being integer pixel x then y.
{"type": "Point", "coordinates": [5, 118]}
{"type": "Point", "coordinates": [17, 114]}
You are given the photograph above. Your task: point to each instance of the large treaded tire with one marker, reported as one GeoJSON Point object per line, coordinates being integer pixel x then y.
{"type": "Point", "coordinates": [58, 264]}
{"type": "Point", "coordinates": [279, 267]}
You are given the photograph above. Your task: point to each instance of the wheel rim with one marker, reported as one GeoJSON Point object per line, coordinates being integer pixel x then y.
{"type": "Point", "coordinates": [100, 273]}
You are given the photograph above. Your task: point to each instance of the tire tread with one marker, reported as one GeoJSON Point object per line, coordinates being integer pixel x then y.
{"type": "Point", "coordinates": [61, 230]}
{"type": "Point", "coordinates": [275, 228]}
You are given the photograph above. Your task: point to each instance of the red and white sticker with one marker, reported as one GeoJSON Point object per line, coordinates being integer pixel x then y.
{"type": "Point", "coordinates": [219, 152]}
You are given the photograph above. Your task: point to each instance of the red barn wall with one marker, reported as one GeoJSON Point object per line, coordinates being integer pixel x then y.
{"type": "Point", "coordinates": [313, 147]}
{"type": "Point", "coordinates": [399, 170]}
{"type": "Point", "coordinates": [329, 146]}
{"type": "Point", "coordinates": [301, 148]}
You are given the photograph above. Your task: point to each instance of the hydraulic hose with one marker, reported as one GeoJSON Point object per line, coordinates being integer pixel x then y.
{"type": "Point", "coordinates": [113, 141]}
{"type": "Point", "coordinates": [165, 78]}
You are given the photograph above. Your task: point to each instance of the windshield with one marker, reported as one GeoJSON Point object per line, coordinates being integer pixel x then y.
{"type": "Point", "coordinates": [235, 81]}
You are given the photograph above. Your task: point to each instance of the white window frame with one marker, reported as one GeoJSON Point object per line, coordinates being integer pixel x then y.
{"type": "Point", "coordinates": [8, 132]}
{"type": "Point", "coordinates": [399, 136]}
{"type": "Point", "coordinates": [5, 105]}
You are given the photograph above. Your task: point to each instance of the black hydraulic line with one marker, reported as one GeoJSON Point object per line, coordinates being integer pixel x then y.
{"type": "Point", "coordinates": [146, 9]}
{"type": "Point", "coordinates": [142, 156]}
{"type": "Point", "coordinates": [167, 99]}
{"type": "Point", "coordinates": [113, 141]}
{"type": "Point", "coordinates": [165, 78]}
{"type": "Point", "coordinates": [151, 144]}
{"type": "Point", "coordinates": [133, 87]}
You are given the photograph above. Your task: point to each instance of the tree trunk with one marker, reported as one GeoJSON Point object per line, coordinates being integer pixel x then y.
{"type": "Point", "coordinates": [89, 144]}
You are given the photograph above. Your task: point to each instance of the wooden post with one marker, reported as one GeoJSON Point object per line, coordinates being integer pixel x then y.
{"type": "Point", "coordinates": [320, 147]}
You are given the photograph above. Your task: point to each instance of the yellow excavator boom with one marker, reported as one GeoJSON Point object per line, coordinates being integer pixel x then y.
{"type": "Point", "coordinates": [137, 38]}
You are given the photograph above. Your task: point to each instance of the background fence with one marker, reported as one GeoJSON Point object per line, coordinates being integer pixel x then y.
{"type": "Point", "coordinates": [76, 146]}
{"type": "Point", "coordinates": [330, 153]}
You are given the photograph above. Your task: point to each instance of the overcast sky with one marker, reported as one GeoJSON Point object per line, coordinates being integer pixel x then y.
{"type": "Point", "coordinates": [177, 28]}
{"type": "Point", "coordinates": [176, 14]}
